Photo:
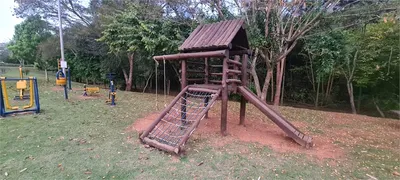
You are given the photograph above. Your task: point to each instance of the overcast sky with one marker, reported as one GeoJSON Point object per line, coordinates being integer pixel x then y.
{"type": "Point", "coordinates": [7, 20]}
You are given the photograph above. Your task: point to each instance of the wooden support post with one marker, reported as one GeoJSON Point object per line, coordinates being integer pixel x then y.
{"type": "Point", "coordinates": [183, 86]}
{"type": "Point", "coordinates": [244, 83]}
{"type": "Point", "coordinates": [206, 77]}
{"type": "Point", "coordinates": [224, 104]}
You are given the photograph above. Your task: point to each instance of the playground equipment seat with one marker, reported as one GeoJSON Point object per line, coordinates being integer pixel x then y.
{"type": "Point", "coordinates": [21, 84]}
{"type": "Point", "coordinates": [90, 90]}
{"type": "Point", "coordinates": [61, 81]}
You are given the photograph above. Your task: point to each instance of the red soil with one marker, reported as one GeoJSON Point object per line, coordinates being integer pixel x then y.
{"type": "Point", "coordinates": [256, 131]}
{"type": "Point", "coordinates": [57, 88]}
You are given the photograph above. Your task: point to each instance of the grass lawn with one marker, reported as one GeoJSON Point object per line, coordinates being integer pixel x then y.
{"type": "Point", "coordinates": [87, 139]}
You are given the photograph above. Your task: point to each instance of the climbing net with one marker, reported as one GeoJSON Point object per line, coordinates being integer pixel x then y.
{"type": "Point", "coordinates": [177, 122]}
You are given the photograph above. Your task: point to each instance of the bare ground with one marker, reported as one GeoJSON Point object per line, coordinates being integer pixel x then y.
{"type": "Point", "coordinates": [336, 131]}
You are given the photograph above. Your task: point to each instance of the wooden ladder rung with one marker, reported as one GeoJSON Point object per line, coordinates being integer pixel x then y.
{"type": "Point", "coordinates": [216, 66]}
{"type": "Point", "coordinates": [195, 79]}
{"type": "Point", "coordinates": [234, 71]}
{"type": "Point", "coordinates": [233, 81]}
{"type": "Point", "coordinates": [216, 74]}
{"type": "Point", "coordinates": [230, 61]}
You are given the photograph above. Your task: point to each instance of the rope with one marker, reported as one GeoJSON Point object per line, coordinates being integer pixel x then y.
{"type": "Point", "coordinates": [172, 128]}
{"type": "Point", "coordinates": [156, 69]}
{"type": "Point", "coordinates": [165, 85]}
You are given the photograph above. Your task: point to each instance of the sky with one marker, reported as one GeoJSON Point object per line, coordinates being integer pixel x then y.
{"type": "Point", "coordinates": [7, 20]}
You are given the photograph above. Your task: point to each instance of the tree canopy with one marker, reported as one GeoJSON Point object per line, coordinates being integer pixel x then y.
{"type": "Point", "coordinates": [332, 53]}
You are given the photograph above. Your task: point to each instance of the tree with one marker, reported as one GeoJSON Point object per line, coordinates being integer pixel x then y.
{"type": "Point", "coordinates": [27, 36]}
{"type": "Point", "coordinates": [48, 54]}
{"type": "Point", "coordinates": [323, 52]}
{"type": "Point", "coordinates": [374, 56]}
{"type": "Point", "coordinates": [133, 34]}
{"type": "Point", "coordinates": [73, 12]}
{"type": "Point", "coordinates": [4, 53]}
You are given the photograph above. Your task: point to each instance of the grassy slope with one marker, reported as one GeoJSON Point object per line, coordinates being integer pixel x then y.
{"type": "Point", "coordinates": [78, 139]}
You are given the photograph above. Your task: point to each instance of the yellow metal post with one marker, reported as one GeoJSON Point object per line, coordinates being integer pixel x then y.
{"type": "Point", "coordinates": [7, 103]}
{"type": "Point", "coordinates": [30, 94]}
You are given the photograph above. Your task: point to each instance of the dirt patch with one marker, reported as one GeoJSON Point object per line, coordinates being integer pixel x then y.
{"type": "Point", "coordinates": [267, 134]}
{"type": "Point", "coordinates": [57, 88]}
{"type": "Point", "coordinates": [142, 124]}
{"type": "Point", "coordinates": [94, 96]}
{"type": "Point", "coordinates": [254, 131]}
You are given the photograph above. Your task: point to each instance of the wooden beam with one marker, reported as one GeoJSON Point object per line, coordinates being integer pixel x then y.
{"type": "Point", "coordinates": [224, 97]}
{"type": "Point", "coordinates": [244, 83]}
{"type": "Point", "coordinates": [216, 74]}
{"type": "Point", "coordinates": [181, 56]}
{"type": "Point", "coordinates": [233, 81]}
{"type": "Point", "coordinates": [183, 74]}
{"type": "Point", "coordinates": [216, 66]}
{"type": "Point", "coordinates": [202, 90]}
{"type": "Point", "coordinates": [233, 71]}
{"type": "Point", "coordinates": [234, 62]}
{"type": "Point", "coordinates": [206, 78]}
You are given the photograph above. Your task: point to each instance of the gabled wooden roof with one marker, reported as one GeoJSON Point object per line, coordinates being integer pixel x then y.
{"type": "Point", "coordinates": [222, 35]}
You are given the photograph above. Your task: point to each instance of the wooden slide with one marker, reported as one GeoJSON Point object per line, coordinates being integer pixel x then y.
{"type": "Point", "coordinates": [285, 125]}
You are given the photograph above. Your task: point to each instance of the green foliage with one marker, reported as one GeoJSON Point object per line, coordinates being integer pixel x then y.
{"type": "Point", "coordinates": [27, 37]}
{"type": "Point", "coordinates": [324, 51]}
{"type": "Point", "coordinates": [378, 62]}
{"type": "Point", "coordinates": [48, 53]}
{"type": "Point", "coordinates": [128, 33]}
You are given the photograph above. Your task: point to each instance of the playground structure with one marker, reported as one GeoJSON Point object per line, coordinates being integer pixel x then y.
{"type": "Point", "coordinates": [62, 78]}
{"type": "Point", "coordinates": [33, 106]}
{"type": "Point", "coordinates": [88, 91]}
{"type": "Point", "coordinates": [21, 86]}
{"type": "Point", "coordinates": [214, 62]}
{"type": "Point", "coordinates": [112, 94]}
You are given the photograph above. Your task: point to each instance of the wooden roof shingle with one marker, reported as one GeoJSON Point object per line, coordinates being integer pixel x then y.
{"type": "Point", "coordinates": [228, 34]}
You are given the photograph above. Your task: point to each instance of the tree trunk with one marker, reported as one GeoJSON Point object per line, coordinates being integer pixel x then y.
{"type": "Point", "coordinates": [351, 95]}
{"type": "Point", "coordinates": [254, 74]}
{"type": "Point", "coordinates": [378, 109]}
{"type": "Point", "coordinates": [283, 87]}
{"type": "Point", "coordinates": [147, 82]}
{"type": "Point", "coordinates": [46, 76]}
{"type": "Point", "coordinates": [279, 76]}
{"type": "Point", "coordinates": [266, 82]}
{"type": "Point", "coordinates": [272, 85]}
{"type": "Point", "coordinates": [359, 99]}
{"type": "Point", "coordinates": [317, 93]}
{"type": "Point", "coordinates": [128, 77]}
